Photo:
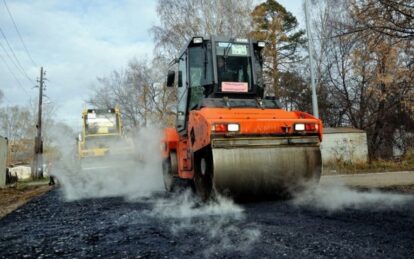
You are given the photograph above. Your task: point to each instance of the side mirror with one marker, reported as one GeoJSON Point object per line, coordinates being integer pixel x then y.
{"type": "Point", "coordinates": [170, 78]}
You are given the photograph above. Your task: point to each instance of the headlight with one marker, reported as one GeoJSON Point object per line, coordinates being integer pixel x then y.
{"type": "Point", "coordinates": [307, 127]}
{"type": "Point", "coordinates": [299, 126]}
{"type": "Point", "coordinates": [225, 127]}
{"type": "Point", "coordinates": [233, 127]}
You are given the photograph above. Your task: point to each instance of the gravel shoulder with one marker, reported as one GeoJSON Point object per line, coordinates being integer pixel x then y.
{"type": "Point", "coordinates": [14, 197]}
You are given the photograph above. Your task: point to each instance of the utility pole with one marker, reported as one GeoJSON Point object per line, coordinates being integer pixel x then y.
{"type": "Point", "coordinates": [312, 68]}
{"type": "Point", "coordinates": [38, 158]}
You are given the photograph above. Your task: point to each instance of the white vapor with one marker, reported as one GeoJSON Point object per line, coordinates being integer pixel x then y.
{"type": "Point", "coordinates": [216, 221]}
{"type": "Point", "coordinates": [336, 197]}
{"type": "Point", "coordinates": [141, 178]}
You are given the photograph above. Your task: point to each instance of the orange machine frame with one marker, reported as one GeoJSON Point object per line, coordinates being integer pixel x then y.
{"type": "Point", "coordinates": [252, 121]}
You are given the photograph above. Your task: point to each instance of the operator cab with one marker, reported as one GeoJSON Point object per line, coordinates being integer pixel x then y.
{"type": "Point", "coordinates": [218, 72]}
{"type": "Point", "coordinates": [101, 121]}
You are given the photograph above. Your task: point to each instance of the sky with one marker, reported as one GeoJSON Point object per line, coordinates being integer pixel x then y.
{"type": "Point", "coordinates": [76, 42]}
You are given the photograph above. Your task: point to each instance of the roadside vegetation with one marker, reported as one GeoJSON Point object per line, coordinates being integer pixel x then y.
{"type": "Point", "coordinates": [364, 62]}
{"type": "Point", "coordinates": [17, 194]}
{"type": "Point", "coordinates": [404, 163]}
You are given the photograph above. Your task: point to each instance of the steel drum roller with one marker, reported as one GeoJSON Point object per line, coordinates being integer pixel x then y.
{"type": "Point", "coordinates": [264, 171]}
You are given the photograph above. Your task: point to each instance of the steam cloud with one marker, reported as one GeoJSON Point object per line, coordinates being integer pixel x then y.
{"type": "Point", "coordinates": [337, 197]}
{"type": "Point", "coordinates": [138, 175]}
{"type": "Point", "coordinates": [216, 221]}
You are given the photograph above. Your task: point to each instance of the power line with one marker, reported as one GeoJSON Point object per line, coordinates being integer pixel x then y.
{"type": "Point", "coordinates": [8, 67]}
{"type": "Point", "coordinates": [10, 58]}
{"type": "Point", "coordinates": [14, 76]}
{"type": "Point", "coordinates": [15, 57]}
{"type": "Point", "coordinates": [7, 99]}
{"type": "Point", "coordinates": [18, 32]}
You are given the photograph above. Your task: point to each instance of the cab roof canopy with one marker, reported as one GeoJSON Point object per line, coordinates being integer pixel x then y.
{"type": "Point", "coordinates": [199, 39]}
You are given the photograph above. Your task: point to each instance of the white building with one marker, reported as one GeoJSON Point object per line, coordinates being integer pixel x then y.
{"type": "Point", "coordinates": [344, 144]}
{"type": "Point", "coordinates": [22, 172]}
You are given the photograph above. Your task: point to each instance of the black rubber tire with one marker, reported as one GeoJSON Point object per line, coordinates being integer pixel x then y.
{"type": "Point", "coordinates": [169, 172]}
{"type": "Point", "coordinates": [203, 173]}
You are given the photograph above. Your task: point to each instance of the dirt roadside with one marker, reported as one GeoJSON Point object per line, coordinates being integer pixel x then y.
{"type": "Point", "coordinates": [407, 189]}
{"type": "Point", "coordinates": [371, 180]}
{"type": "Point", "coordinates": [14, 197]}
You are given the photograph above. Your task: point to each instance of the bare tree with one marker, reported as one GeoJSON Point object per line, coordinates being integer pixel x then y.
{"type": "Point", "coordinates": [116, 90]}
{"type": "Point", "coordinates": [181, 20]}
{"type": "Point", "coordinates": [15, 124]}
{"type": "Point", "coordinates": [369, 75]}
{"type": "Point", "coordinates": [394, 18]}
{"type": "Point", "coordinates": [18, 124]}
{"type": "Point", "coordinates": [164, 98]}
{"type": "Point", "coordinates": [321, 15]}
{"type": "Point", "coordinates": [139, 91]}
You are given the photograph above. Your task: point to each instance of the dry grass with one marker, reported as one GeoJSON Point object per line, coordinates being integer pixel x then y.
{"type": "Point", "coordinates": [12, 197]}
{"type": "Point", "coordinates": [406, 163]}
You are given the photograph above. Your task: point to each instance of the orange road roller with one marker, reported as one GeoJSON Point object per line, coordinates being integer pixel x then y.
{"type": "Point", "coordinates": [229, 138]}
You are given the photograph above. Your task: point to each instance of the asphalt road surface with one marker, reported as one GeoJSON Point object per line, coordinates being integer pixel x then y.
{"type": "Point", "coordinates": [340, 223]}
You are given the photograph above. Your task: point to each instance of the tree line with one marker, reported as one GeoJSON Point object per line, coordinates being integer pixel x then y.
{"type": "Point", "coordinates": [365, 70]}
{"type": "Point", "coordinates": [364, 59]}
{"type": "Point", "coordinates": [17, 124]}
